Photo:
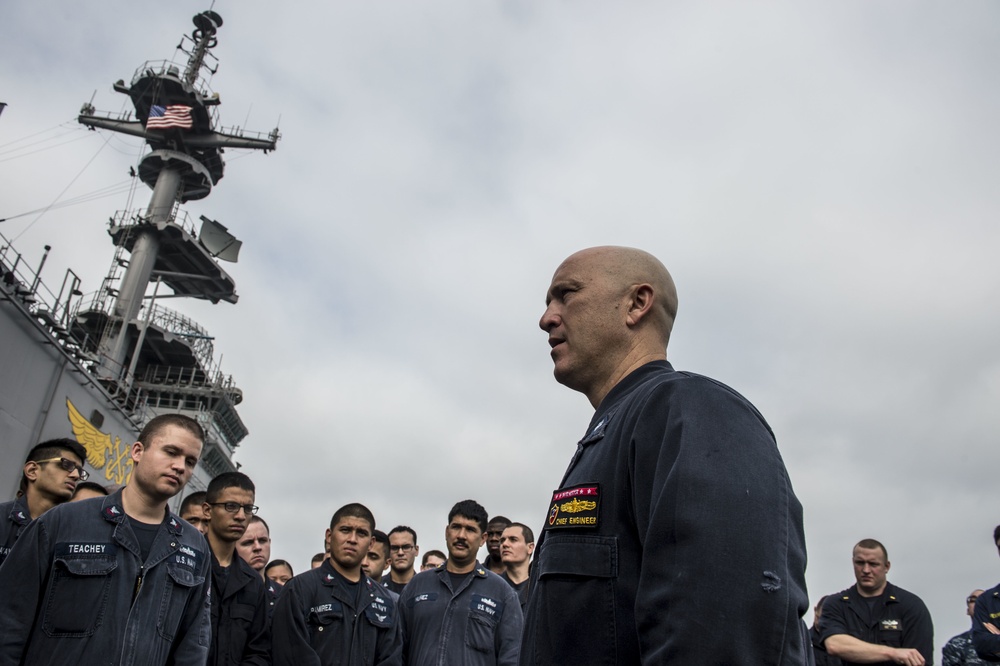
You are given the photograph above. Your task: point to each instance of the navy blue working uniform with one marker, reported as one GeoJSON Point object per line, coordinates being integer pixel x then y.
{"type": "Point", "coordinates": [77, 591]}
{"type": "Point", "coordinates": [241, 628]}
{"type": "Point", "coordinates": [986, 643]}
{"type": "Point", "coordinates": [477, 623]}
{"type": "Point", "coordinates": [897, 618]}
{"type": "Point", "coordinates": [317, 622]}
{"type": "Point", "coordinates": [674, 537]}
{"type": "Point", "coordinates": [14, 517]}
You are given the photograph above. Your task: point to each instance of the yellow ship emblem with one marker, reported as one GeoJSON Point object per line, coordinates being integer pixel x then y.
{"type": "Point", "coordinates": [578, 505]}
{"type": "Point", "coordinates": [102, 453]}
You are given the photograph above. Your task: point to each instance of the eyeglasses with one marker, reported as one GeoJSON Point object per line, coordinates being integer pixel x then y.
{"type": "Point", "coordinates": [234, 507]}
{"type": "Point", "coordinates": [405, 548]}
{"type": "Point", "coordinates": [66, 465]}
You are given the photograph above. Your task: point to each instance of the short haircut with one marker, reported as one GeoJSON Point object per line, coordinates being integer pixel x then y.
{"type": "Point", "coordinates": [257, 519]}
{"type": "Point", "coordinates": [52, 448]}
{"type": "Point", "coordinates": [197, 498]}
{"type": "Point", "coordinates": [432, 553]}
{"type": "Point", "coordinates": [90, 485]}
{"type": "Point", "coordinates": [996, 534]}
{"type": "Point", "coordinates": [278, 563]}
{"type": "Point", "coordinates": [318, 557]}
{"type": "Point", "coordinates": [381, 537]}
{"type": "Point", "coordinates": [872, 544]}
{"type": "Point", "coordinates": [404, 528]}
{"type": "Point", "coordinates": [228, 480]}
{"type": "Point", "coordinates": [353, 510]}
{"type": "Point", "coordinates": [158, 423]}
{"type": "Point", "coordinates": [472, 510]}
{"type": "Point", "coordinates": [500, 519]}
{"type": "Point", "coordinates": [526, 533]}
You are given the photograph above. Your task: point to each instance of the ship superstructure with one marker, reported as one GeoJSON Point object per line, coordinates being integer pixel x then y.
{"type": "Point", "coordinates": [97, 369]}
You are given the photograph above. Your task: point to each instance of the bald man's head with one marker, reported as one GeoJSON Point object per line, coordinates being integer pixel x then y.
{"type": "Point", "coordinates": [609, 310]}
{"type": "Point", "coordinates": [628, 267]}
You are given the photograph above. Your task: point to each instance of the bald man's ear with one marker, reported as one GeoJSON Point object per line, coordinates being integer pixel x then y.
{"type": "Point", "coordinates": [640, 304]}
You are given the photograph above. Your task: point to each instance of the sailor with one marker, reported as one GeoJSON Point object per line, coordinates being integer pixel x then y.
{"type": "Point", "coordinates": [675, 520]}
{"type": "Point", "coordinates": [51, 473]}
{"type": "Point", "coordinates": [241, 633]}
{"type": "Point", "coordinates": [874, 621]}
{"type": "Point", "coordinates": [121, 577]}
{"type": "Point", "coordinates": [494, 533]}
{"type": "Point", "coordinates": [516, 546]}
{"type": "Point", "coordinates": [334, 613]}
{"type": "Point", "coordinates": [403, 551]}
{"type": "Point", "coordinates": [461, 614]}
{"type": "Point", "coordinates": [255, 548]}
{"type": "Point", "coordinates": [377, 559]}
{"type": "Point", "coordinates": [193, 510]}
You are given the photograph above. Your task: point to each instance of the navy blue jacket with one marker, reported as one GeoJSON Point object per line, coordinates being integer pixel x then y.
{"type": "Point", "coordinates": [987, 610]}
{"type": "Point", "coordinates": [14, 517]}
{"type": "Point", "coordinates": [241, 630]}
{"type": "Point", "coordinates": [75, 591]}
{"type": "Point", "coordinates": [479, 624]}
{"type": "Point", "coordinates": [899, 619]}
{"type": "Point", "coordinates": [316, 623]}
{"type": "Point", "coordinates": [674, 537]}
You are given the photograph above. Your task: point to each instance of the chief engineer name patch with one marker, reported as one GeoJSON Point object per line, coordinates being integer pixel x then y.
{"type": "Point", "coordinates": [578, 506]}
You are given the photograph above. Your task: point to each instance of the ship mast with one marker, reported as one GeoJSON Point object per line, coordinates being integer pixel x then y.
{"type": "Point", "coordinates": [175, 115]}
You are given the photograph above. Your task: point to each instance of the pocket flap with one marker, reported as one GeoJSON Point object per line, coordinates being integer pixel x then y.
{"type": "Point", "coordinates": [90, 566]}
{"type": "Point", "coordinates": [576, 555]}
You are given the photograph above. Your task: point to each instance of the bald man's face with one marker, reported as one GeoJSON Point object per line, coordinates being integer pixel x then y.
{"type": "Point", "coordinates": [586, 321]}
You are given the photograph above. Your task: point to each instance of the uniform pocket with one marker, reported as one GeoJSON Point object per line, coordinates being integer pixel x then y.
{"type": "Point", "coordinates": [78, 583]}
{"type": "Point", "coordinates": [575, 615]}
{"type": "Point", "coordinates": [178, 588]}
{"type": "Point", "coordinates": [479, 632]}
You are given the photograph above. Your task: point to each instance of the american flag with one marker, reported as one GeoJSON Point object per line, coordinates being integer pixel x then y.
{"type": "Point", "coordinates": [173, 115]}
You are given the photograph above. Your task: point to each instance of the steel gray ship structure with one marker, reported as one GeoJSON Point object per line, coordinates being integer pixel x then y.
{"type": "Point", "coordinates": [97, 369]}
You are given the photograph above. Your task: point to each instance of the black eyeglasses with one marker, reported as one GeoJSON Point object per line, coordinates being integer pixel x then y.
{"type": "Point", "coordinates": [66, 465]}
{"type": "Point", "coordinates": [234, 507]}
{"type": "Point", "coordinates": [405, 548]}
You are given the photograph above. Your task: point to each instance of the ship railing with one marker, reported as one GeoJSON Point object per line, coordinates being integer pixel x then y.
{"type": "Point", "coordinates": [170, 377]}
{"type": "Point", "coordinates": [127, 219]}
{"type": "Point", "coordinates": [169, 68]}
{"type": "Point", "coordinates": [198, 339]}
{"type": "Point", "coordinates": [53, 310]}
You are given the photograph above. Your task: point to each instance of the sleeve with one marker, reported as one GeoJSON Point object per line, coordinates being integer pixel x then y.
{"type": "Point", "coordinates": [718, 520]}
{"type": "Point", "coordinates": [951, 653]}
{"type": "Point", "coordinates": [195, 631]}
{"type": "Point", "coordinates": [509, 631]}
{"type": "Point", "coordinates": [389, 649]}
{"type": "Point", "coordinates": [257, 651]}
{"type": "Point", "coordinates": [23, 579]}
{"type": "Point", "coordinates": [920, 635]}
{"type": "Point", "coordinates": [405, 624]}
{"type": "Point", "coordinates": [987, 644]}
{"type": "Point", "coordinates": [833, 622]}
{"type": "Point", "coordinates": [289, 632]}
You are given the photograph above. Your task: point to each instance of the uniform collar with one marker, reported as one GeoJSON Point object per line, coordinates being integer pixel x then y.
{"type": "Point", "coordinates": [606, 410]}
{"type": "Point", "coordinates": [19, 513]}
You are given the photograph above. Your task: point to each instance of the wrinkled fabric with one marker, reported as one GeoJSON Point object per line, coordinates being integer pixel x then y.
{"type": "Point", "coordinates": [74, 587]}
{"type": "Point", "coordinates": [674, 537]}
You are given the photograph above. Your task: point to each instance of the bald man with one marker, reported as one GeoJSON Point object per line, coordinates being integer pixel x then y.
{"type": "Point", "coordinates": [674, 536]}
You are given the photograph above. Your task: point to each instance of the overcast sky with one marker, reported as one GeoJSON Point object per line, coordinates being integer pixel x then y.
{"type": "Point", "coordinates": [820, 178]}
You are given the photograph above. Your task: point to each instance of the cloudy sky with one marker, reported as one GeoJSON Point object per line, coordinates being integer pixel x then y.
{"type": "Point", "coordinates": [817, 177]}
